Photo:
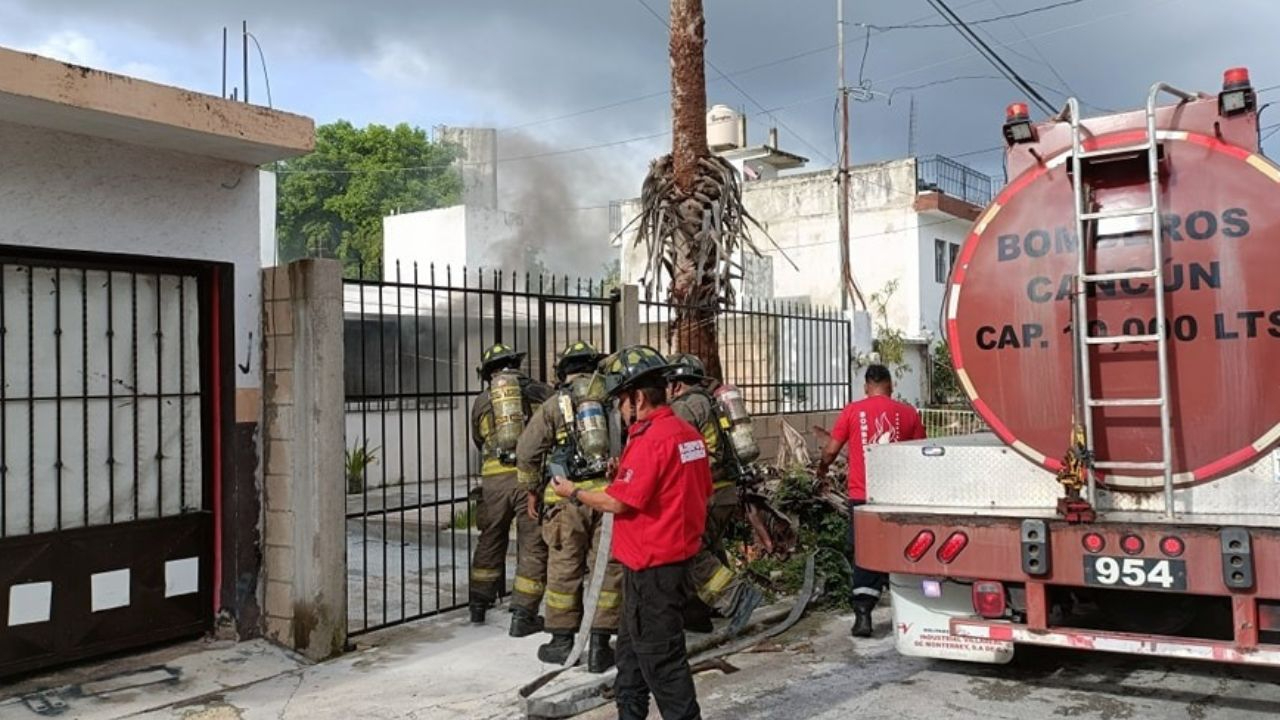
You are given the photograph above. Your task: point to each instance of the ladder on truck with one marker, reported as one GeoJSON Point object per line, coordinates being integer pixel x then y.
{"type": "Point", "coordinates": [1087, 219]}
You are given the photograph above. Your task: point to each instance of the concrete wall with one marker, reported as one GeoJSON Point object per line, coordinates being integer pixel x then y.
{"type": "Point", "coordinates": [768, 431]}
{"type": "Point", "coordinates": [949, 229]}
{"type": "Point", "coordinates": [305, 596]}
{"type": "Point", "coordinates": [66, 191]}
{"type": "Point", "coordinates": [460, 237]}
{"type": "Point", "coordinates": [73, 192]}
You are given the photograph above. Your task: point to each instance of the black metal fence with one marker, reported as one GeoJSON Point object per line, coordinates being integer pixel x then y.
{"type": "Point", "coordinates": [785, 357]}
{"type": "Point", "coordinates": [412, 343]}
{"type": "Point", "coordinates": [942, 174]}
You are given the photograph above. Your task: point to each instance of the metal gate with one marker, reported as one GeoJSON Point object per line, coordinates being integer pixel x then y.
{"type": "Point", "coordinates": [105, 529]}
{"type": "Point", "coordinates": [411, 345]}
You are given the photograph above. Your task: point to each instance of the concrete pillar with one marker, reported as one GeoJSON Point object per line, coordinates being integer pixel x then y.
{"type": "Point", "coordinates": [306, 575]}
{"type": "Point", "coordinates": [628, 309]}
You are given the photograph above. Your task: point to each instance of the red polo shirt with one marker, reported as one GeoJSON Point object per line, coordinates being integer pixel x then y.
{"type": "Point", "coordinates": [875, 420]}
{"type": "Point", "coordinates": [664, 479]}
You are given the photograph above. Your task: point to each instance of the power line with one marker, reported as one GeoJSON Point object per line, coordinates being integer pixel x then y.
{"type": "Point", "coordinates": [982, 21]}
{"type": "Point", "coordinates": [762, 66]}
{"type": "Point", "coordinates": [1054, 31]}
{"type": "Point", "coordinates": [983, 49]}
{"type": "Point", "coordinates": [1039, 53]}
{"type": "Point", "coordinates": [744, 93]}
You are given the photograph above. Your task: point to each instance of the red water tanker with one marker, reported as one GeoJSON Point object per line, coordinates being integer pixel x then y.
{"type": "Point", "coordinates": [1051, 314]}
{"type": "Point", "coordinates": [1009, 303]}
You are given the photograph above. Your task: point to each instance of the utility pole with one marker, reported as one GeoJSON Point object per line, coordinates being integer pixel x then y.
{"type": "Point", "coordinates": [842, 173]}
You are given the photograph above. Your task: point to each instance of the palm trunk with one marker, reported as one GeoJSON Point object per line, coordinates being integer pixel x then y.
{"type": "Point", "coordinates": [693, 287]}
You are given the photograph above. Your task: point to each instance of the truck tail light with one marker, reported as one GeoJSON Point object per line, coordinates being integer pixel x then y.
{"type": "Point", "coordinates": [988, 599]}
{"type": "Point", "coordinates": [1093, 542]}
{"type": "Point", "coordinates": [951, 547]}
{"type": "Point", "coordinates": [1172, 546]}
{"type": "Point", "coordinates": [1131, 544]}
{"type": "Point", "coordinates": [920, 545]}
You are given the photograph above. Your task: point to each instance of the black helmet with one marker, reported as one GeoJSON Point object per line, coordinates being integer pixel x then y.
{"type": "Point", "coordinates": [632, 366]}
{"type": "Point", "coordinates": [687, 367]}
{"type": "Point", "coordinates": [498, 357]}
{"type": "Point", "coordinates": [578, 357]}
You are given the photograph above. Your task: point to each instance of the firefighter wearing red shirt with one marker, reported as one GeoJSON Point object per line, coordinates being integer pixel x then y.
{"type": "Point", "coordinates": [659, 494]}
{"type": "Point", "coordinates": [875, 420]}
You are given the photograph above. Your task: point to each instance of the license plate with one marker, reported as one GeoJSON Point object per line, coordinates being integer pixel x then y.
{"type": "Point", "coordinates": [1131, 572]}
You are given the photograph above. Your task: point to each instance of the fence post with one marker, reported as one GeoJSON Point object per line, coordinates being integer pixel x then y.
{"type": "Point", "coordinates": [627, 317]}
{"type": "Point", "coordinates": [304, 525]}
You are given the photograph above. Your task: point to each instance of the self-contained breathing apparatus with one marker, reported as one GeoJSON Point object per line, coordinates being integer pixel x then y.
{"type": "Point", "coordinates": [506, 395]}
{"type": "Point", "coordinates": [581, 451]}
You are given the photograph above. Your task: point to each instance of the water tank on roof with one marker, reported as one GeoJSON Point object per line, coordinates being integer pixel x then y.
{"type": "Point", "coordinates": [726, 128]}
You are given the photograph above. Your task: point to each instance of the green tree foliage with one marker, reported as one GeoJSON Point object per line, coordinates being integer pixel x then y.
{"type": "Point", "coordinates": [331, 202]}
{"type": "Point", "coordinates": [890, 342]}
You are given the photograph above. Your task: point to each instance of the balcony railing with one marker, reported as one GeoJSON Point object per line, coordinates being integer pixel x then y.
{"type": "Point", "coordinates": [944, 175]}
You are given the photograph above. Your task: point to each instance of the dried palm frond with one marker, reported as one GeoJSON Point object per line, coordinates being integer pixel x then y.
{"type": "Point", "coordinates": [694, 239]}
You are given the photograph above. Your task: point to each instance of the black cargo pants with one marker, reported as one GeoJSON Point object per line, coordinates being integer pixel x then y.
{"type": "Point", "coordinates": [867, 584]}
{"type": "Point", "coordinates": [652, 658]}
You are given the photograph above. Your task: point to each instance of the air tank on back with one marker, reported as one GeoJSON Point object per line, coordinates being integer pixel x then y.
{"type": "Point", "coordinates": [508, 410]}
{"type": "Point", "coordinates": [1008, 308]}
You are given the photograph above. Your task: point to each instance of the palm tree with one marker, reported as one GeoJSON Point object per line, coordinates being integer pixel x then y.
{"type": "Point", "coordinates": [692, 222]}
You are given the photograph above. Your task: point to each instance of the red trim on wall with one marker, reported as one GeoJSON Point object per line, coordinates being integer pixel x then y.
{"type": "Point", "coordinates": [215, 398]}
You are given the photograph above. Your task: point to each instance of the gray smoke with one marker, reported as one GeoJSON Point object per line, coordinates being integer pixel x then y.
{"type": "Point", "coordinates": [562, 201]}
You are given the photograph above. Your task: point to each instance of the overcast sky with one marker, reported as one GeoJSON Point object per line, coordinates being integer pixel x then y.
{"type": "Point", "coordinates": [523, 65]}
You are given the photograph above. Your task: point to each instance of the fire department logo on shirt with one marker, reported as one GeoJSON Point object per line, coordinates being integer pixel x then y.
{"type": "Point", "coordinates": [692, 450]}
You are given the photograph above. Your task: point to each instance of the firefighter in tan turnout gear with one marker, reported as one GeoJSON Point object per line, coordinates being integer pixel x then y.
{"type": "Point", "coordinates": [569, 436]}
{"type": "Point", "coordinates": [498, 416]}
{"type": "Point", "coordinates": [714, 583]}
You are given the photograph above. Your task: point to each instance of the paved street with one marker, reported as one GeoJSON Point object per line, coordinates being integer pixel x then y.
{"type": "Point", "coordinates": [818, 672]}
{"type": "Point", "coordinates": [447, 669]}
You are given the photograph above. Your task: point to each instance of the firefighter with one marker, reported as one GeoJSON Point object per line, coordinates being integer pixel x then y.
{"type": "Point", "coordinates": [556, 438]}
{"type": "Point", "coordinates": [874, 420]}
{"type": "Point", "coordinates": [715, 584]}
{"type": "Point", "coordinates": [660, 497]}
{"type": "Point", "coordinates": [501, 500]}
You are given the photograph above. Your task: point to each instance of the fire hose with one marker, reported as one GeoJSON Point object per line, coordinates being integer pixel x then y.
{"type": "Point", "coordinates": [577, 699]}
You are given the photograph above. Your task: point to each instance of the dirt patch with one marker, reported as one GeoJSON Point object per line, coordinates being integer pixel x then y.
{"type": "Point", "coordinates": [1101, 706]}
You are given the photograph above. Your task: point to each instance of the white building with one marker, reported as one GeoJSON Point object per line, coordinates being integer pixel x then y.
{"type": "Point", "coordinates": [908, 218]}
{"type": "Point", "coordinates": [131, 363]}
{"type": "Point", "coordinates": [461, 236]}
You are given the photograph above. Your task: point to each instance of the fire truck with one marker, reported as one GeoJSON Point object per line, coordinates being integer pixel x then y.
{"type": "Point", "coordinates": [1114, 317]}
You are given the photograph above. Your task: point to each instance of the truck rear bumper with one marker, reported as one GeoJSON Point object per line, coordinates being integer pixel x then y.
{"type": "Point", "coordinates": [1115, 642]}
{"type": "Point", "coordinates": [995, 551]}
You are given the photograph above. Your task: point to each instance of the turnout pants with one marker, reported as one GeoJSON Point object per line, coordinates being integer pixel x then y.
{"type": "Point", "coordinates": [502, 502]}
{"type": "Point", "coordinates": [713, 581]}
{"type": "Point", "coordinates": [652, 658]}
{"type": "Point", "coordinates": [572, 535]}
{"type": "Point", "coordinates": [867, 584]}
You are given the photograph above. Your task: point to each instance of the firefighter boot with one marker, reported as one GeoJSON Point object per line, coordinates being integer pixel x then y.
{"type": "Point", "coordinates": [749, 598]}
{"type": "Point", "coordinates": [861, 623]}
{"type": "Point", "coordinates": [478, 610]}
{"type": "Point", "coordinates": [556, 651]}
{"type": "Point", "coordinates": [600, 656]}
{"type": "Point", "coordinates": [524, 623]}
